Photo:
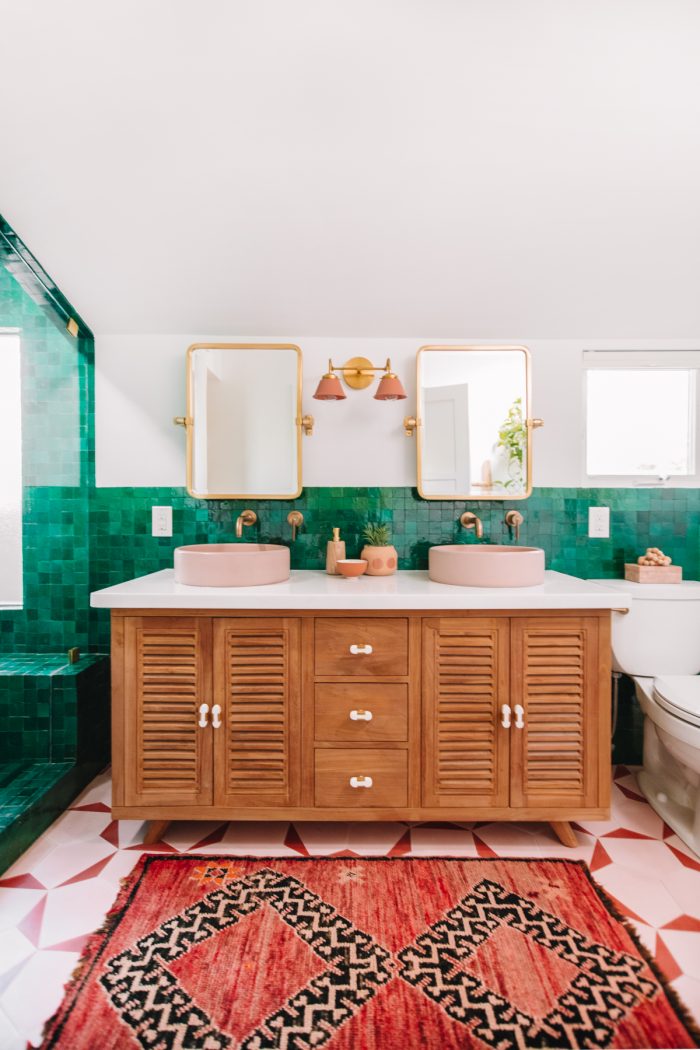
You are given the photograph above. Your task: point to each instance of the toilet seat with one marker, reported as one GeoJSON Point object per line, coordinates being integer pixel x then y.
{"type": "Point", "coordinates": [680, 696]}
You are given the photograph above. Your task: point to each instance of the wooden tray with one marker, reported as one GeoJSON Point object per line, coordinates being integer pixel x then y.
{"type": "Point", "coordinates": [654, 573]}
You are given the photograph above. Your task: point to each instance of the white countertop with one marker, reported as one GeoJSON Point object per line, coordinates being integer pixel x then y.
{"type": "Point", "coordinates": [314, 589]}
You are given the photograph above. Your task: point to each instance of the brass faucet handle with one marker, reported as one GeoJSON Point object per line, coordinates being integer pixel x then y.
{"type": "Point", "coordinates": [296, 519]}
{"type": "Point", "coordinates": [246, 517]}
{"type": "Point", "coordinates": [469, 520]}
{"type": "Point", "coordinates": [514, 520]}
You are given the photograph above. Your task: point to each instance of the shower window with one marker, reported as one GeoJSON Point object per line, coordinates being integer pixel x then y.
{"type": "Point", "coordinates": [641, 410]}
{"type": "Point", "coordinates": [10, 472]}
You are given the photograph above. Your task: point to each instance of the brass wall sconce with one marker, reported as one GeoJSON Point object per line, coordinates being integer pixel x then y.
{"type": "Point", "coordinates": [358, 373]}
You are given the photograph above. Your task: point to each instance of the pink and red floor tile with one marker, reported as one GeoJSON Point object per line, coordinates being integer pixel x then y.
{"type": "Point", "coordinates": [59, 891]}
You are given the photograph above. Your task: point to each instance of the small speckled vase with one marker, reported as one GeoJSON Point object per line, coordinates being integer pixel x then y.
{"type": "Point", "coordinates": [381, 561]}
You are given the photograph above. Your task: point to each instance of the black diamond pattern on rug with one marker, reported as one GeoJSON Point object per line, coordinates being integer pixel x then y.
{"type": "Point", "coordinates": [608, 985]}
{"type": "Point", "coordinates": [150, 1000]}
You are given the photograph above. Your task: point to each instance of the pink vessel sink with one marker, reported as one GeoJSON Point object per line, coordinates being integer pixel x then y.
{"type": "Point", "coordinates": [231, 564]}
{"type": "Point", "coordinates": [486, 565]}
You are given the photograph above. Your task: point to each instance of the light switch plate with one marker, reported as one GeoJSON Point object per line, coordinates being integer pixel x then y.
{"type": "Point", "coordinates": [161, 521]}
{"type": "Point", "coordinates": [599, 522]}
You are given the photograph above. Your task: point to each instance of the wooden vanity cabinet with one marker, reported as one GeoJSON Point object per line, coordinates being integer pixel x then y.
{"type": "Point", "coordinates": [375, 716]}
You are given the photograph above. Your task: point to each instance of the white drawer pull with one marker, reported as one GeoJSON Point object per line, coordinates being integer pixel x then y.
{"type": "Point", "coordinates": [215, 719]}
{"type": "Point", "coordinates": [360, 716]}
{"type": "Point", "coordinates": [203, 712]}
{"type": "Point", "coordinates": [519, 716]}
{"type": "Point", "coordinates": [505, 721]}
{"type": "Point", "coordinates": [360, 782]}
{"type": "Point", "coordinates": [361, 650]}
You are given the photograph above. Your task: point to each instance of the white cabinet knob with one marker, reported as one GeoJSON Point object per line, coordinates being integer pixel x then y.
{"type": "Point", "coordinates": [215, 719]}
{"type": "Point", "coordinates": [360, 782]}
{"type": "Point", "coordinates": [519, 716]}
{"type": "Point", "coordinates": [203, 712]}
{"type": "Point", "coordinates": [505, 720]}
{"type": "Point", "coordinates": [360, 716]}
{"type": "Point", "coordinates": [361, 650]}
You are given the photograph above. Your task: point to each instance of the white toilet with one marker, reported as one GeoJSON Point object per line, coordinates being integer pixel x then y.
{"type": "Point", "coordinates": [658, 644]}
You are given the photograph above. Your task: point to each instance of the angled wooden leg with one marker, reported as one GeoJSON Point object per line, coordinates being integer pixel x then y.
{"type": "Point", "coordinates": [155, 831]}
{"type": "Point", "coordinates": [564, 832]}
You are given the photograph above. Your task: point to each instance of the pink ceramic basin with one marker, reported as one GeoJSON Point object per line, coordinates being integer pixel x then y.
{"type": "Point", "coordinates": [486, 565]}
{"type": "Point", "coordinates": [231, 564]}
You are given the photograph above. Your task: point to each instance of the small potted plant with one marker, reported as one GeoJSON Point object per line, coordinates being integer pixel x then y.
{"type": "Point", "coordinates": [379, 554]}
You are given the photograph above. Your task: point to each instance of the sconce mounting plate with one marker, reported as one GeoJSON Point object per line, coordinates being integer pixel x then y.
{"type": "Point", "coordinates": [357, 378]}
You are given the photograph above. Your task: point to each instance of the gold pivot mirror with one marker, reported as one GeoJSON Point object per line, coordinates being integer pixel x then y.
{"type": "Point", "coordinates": [473, 425]}
{"type": "Point", "coordinates": [244, 420]}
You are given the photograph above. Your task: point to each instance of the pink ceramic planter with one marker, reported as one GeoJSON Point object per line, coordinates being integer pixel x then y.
{"type": "Point", "coordinates": [381, 561]}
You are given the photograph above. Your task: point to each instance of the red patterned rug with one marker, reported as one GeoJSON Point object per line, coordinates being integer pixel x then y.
{"type": "Point", "coordinates": [203, 953]}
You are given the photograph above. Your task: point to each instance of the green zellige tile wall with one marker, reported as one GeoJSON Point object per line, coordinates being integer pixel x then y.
{"type": "Point", "coordinates": [57, 468]}
{"type": "Point", "coordinates": [556, 519]}
{"type": "Point", "coordinates": [54, 731]}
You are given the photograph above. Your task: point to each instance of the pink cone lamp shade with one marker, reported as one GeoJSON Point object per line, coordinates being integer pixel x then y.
{"type": "Point", "coordinates": [329, 388]}
{"type": "Point", "coordinates": [390, 388]}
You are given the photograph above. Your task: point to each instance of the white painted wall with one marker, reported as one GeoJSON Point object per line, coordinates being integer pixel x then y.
{"type": "Point", "coordinates": [140, 386]}
{"type": "Point", "coordinates": [367, 168]}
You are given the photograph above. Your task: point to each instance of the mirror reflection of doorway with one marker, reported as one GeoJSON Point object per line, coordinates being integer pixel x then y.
{"type": "Point", "coordinates": [446, 450]}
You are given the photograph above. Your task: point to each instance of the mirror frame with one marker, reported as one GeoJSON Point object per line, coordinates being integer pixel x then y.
{"type": "Point", "coordinates": [469, 496]}
{"type": "Point", "coordinates": [190, 421]}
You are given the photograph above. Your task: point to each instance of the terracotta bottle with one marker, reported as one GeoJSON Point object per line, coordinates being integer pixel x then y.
{"type": "Point", "coordinates": [335, 552]}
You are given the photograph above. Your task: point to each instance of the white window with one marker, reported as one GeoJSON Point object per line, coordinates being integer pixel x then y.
{"type": "Point", "coordinates": [641, 411]}
{"type": "Point", "coordinates": [10, 472]}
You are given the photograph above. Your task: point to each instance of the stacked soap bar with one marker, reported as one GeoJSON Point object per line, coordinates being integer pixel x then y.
{"type": "Point", "coordinates": [653, 567]}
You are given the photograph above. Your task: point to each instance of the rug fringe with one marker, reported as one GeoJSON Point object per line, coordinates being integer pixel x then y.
{"type": "Point", "coordinates": [681, 1010]}
{"type": "Point", "coordinates": [91, 948]}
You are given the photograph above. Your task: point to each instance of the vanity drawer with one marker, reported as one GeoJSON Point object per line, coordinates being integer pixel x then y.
{"type": "Point", "coordinates": [338, 768]}
{"type": "Point", "coordinates": [361, 646]}
{"type": "Point", "coordinates": [356, 711]}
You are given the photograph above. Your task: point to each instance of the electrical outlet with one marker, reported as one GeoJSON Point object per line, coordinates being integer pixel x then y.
{"type": "Point", "coordinates": [161, 521]}
{"type": "Point", "coordinates": [599, 522]}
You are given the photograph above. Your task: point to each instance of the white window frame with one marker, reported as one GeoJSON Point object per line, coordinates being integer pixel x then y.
{"type": "Point", "coordinates": [637, 361]}
{"type": "Point", "coordinates": [15, 585]}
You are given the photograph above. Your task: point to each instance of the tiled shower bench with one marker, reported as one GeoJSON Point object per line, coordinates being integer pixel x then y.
{"type": "Point", "coordinates": [47, 752]}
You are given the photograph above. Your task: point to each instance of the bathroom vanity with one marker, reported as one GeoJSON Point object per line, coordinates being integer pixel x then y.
{"type": "Point", "coordinates": [385, 698]}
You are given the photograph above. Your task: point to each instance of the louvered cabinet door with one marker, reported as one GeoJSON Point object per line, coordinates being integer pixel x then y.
{"type": "Point", "coordinates": [257, 685]}
{"type": "Point", "coordinates": [555, 676]}
{"type": "Point", "coordinates": [167, 757]}
{"type": "Point", "coordinates": [465, 683]}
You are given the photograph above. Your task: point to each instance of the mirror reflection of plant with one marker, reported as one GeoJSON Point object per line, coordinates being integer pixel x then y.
{"type": "Point", "coordinates": [512, 438]}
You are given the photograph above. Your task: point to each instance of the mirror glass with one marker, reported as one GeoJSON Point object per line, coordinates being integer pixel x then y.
{"type": "Point", "coordinates": [244, 407]}
{"type": "Point", "coordinates": [473, 439]}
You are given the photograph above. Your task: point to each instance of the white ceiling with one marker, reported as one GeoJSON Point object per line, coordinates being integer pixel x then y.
{"type": "Point", "coordinates": [368, 167]}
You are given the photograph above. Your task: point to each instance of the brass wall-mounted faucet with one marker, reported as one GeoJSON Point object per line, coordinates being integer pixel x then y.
{"type": "Point", "coordinates": [248, 517]}
{"type": "Point", "coordinates": [296, 519]}
{"type": "Point", "coordinates": [514, 520]}
{"type": "Point", "coordinates": [469, 520]}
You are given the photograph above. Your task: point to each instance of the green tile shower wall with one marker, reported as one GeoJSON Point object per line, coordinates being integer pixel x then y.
{"type": "Point", "coordinates": [556, 519]}
{"type": "Point", "coordinates": [58, 471]}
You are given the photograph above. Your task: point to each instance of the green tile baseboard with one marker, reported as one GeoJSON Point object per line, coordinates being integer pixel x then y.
{"type": "Point", "coordinates": [35, 797]}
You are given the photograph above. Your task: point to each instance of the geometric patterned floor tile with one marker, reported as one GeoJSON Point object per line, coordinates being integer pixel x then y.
{"type": "Point", "coordinates": [59, 891]}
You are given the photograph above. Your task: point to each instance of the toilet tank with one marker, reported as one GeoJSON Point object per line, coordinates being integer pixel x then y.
{"type": "Point", "coordinates": [661, 632]}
